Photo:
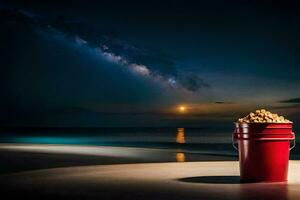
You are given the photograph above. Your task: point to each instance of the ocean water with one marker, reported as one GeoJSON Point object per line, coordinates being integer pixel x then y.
{"type": "Point", "coordinates": [205, 140]}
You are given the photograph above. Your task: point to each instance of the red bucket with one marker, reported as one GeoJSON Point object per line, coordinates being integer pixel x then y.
{"type": "Point", "coordinates": [264, 150]}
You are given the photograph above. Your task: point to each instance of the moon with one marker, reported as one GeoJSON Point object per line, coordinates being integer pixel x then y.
{"type": "Point", "coordinates": [182, 108]}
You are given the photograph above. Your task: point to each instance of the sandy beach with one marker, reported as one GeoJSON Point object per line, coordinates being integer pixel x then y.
{"type": "Point", "coordinates": [83, 172]}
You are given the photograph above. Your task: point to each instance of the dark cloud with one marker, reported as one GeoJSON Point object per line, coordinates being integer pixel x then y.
{"type": "Point", "coordinates": [223, 102]}
{"type": "Point", "coordinates": [192, 82]}
{"type": "Point", "coordinates": [287, 106]}
{"type": "Point", "coordinates": [292, 100]}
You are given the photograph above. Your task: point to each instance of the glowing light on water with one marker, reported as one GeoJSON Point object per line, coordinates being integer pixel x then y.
{"type": "Point", "coordinates": [180, 136]}
{"type": "Point", "coordinates": [180, 139]}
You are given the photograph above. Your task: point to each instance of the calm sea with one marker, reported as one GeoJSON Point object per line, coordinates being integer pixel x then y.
{"type": "Point", "coordinates": [207, 140]}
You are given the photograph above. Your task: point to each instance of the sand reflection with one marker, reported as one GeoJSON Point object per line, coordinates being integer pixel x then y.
{"type": "Point", "coordinates": [180, 157]}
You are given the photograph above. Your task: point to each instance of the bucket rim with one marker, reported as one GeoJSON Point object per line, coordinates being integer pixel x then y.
{"type": "Point", "coordinates": [241, 136]}
{"type": "Point", "coordinates": [286, 123]}
{"type": "Point", "coordinates": [263, 125]}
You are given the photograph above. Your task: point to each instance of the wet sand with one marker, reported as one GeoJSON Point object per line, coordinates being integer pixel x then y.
{"type": "Point", "coordinates": [24, 157]}
{"type": "Point", "coordinates": [180, 180]}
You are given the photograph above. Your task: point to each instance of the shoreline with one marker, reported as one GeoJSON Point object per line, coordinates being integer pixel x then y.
{"type": "Point", "coordinates": [26, 157]}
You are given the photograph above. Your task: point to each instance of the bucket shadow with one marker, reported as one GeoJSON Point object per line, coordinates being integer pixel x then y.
{"type": "Point", "coordinates": [262, 191]}
{"type": "Point", "coordinates": [212, 179]}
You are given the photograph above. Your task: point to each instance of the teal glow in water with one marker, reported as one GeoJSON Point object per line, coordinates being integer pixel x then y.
{"type": "Point", "coordinates": [53, 140]}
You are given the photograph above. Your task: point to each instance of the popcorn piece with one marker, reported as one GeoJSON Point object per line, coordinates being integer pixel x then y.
{"type": "Point", "coordinates": [263, 116]}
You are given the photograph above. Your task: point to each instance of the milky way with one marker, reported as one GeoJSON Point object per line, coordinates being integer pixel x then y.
{"type": "Point", "coordinates": [87, 62]}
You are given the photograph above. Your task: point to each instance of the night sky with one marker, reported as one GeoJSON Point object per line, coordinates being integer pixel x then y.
{"type": "Point", "coordinates": [133, 63]}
